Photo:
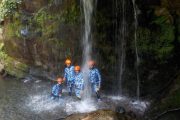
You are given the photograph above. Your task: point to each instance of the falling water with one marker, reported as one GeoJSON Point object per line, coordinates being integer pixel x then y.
{"type": "Point", "coordinates": [120, 36]}
{"type": "Point", "coordinates": [136, 49]}
{"type": "Point", "coordinates": [88, 7]}
{"type": "Point", "coordinates": [123, 43]}
{"type": "Point", "coordinates": [24, 33]}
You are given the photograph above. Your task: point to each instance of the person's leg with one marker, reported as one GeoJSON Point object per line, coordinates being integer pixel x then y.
{"type": "Point", "coordinates": [98, 95]}
{"type": "Point", "coordinates": [70, 91]}
{"type": "Point", "coordinates": [69, 88]}
{"type": "Point", "coordinates": [52, 97]}
{"type": "Point", "coordinates": [72, 88]}
{"type": "Point", "coordinates": [92, 88]}
{"type": "Point", "coordinates": [97, 92]}
{"type": "Point", "coordinates": [77, 91]}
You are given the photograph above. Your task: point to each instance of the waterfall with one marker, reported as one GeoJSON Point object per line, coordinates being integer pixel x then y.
{"type": "Point", "coordinates": [120, 36]}
{"type": "Point", "coordinates": [136, 48]}
{"type": "Point", "coordinates": [24, 33]}
{"type": "Point", "coordinates": [123, 45]}
{"type": "Point", "coordinates": [88, 8]}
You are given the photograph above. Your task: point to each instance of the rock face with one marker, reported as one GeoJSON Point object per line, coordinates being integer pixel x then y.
{"type": "Point", "coordinates": [43, 33]}
{"type": "Point", "coordinates": [99, 115]}
{"type": "Point", "coordinates": [169, 104]}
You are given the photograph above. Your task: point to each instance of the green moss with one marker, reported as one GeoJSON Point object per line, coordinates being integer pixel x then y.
{"type": "Point", "coordinates": [71, 15]}
{"type": "Point", "coordinates": [8, 7]}
{"type": "Point", "coordinates": [13, 30]}
{"type": "Point", "coordinates": [12, 66]}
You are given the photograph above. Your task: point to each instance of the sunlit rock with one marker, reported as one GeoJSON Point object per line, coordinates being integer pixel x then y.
{"type": "Point", "coordinates": [100, 115]}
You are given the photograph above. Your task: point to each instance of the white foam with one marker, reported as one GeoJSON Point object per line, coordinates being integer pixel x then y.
{"type": "Point", "coordinates": [38, 81]}
{"type": "Point", "coordinates": [140, 105]}
{"type": "Point", "coordinates": [26, 80]}
{"type": "Point", "coordinates": [119, 98]}
{"type": "Point", "coordinates": [136, 105]}
{"type": "Point", "coordinates": [81, 107]}
{"type": "Point", "coordinates": [43, 103]}
{"type": "Point", "coordinates": [40, 103]}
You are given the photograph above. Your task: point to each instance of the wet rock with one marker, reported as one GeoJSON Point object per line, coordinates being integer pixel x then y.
{"type": "Point", "coordinates": [169, 102]}
{"type": "Point", "coordinates": [34, 5]}
{"type": "Point", "coordinates": [120, 109]}
{"type": "Point", "coordinates": [15, 68]}
{"type": "Point", "coordinates": [100, 115]}
{"type": "Point", "coordinates": [131, 114]}
{"type": "Point", "coordinates": [53, 33]}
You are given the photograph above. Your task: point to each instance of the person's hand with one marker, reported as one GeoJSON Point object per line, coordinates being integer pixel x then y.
{"type": "Point", "coordinates": [60, 95]}
{"type": "Point", "coordinates": [98, 88]}
{"type": "Point", "coordinates": [81, 93]}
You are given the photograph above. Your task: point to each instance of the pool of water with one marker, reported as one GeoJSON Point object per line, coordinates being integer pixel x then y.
{"type": "Point", "coordinates": [29, 99]}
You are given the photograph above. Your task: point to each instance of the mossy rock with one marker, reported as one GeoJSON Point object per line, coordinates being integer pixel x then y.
{"type": "Point", "coordinates": [15, 68]}
{"type": "Point", "coordinates": [12, 66]}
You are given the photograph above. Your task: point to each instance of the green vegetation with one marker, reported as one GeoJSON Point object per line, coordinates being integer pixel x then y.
{"type": "Point", "coordinates": [8, 7]}
{"type": "Point", "coordinates": [157, 43]}
{"type": "Point", "coordinates": [11, 65]}
{"type": "Point", "coordinates": [71, 15]}
{"type": "Point", "coordinates": [45, 18]}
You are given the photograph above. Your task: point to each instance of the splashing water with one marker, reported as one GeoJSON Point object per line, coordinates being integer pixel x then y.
{"type": "Point", "coordinates": [136, 48]}
{"type": "Point", "coordinates": [43, 103]}
{"type": "Point", "coordinates": [131, 105]}
{"type": "Point", "coordinates": [88, 7]}
{"type": "Point", "coordinates": [31, 100]}
{"type": "Point", "coordinates": [85, 106]}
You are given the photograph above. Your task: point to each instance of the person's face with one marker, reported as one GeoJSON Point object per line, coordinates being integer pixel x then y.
{"type": "Point", "coordinates": [59, 80]}
{"type": "Point", "coordinates": [91, 64]}
{"type": "Point", "coordinates": [77, 71]}
{"type": "Point", "coordinates": [68, 64]}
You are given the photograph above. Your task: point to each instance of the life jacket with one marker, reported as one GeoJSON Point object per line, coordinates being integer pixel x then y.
{"type": "Point", "coordinates": [79, 82]}
{"type": "Point", "coordinates": [69, 74]}
{"type": "Point", "coordinates": [57, 89]}
{"type": "Point", "coordinates": [95, 76]}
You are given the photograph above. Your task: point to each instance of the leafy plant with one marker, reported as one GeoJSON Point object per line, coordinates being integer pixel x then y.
{"type": "Point", "coordinates": [71, 15]}
{"type": "Point", "coordinates": [158, 44]}
{"type": "Point", "coordinates": [7, 7]}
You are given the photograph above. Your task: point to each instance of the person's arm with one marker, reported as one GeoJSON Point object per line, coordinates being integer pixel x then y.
{"type": "Point", "coordinates": [60, 92]}
{"type": "Point", "coordinates": [82, 84]}
{"type": "Point", "coordinates": [73, 74]}
{"type": "Point", "coordinates": [99, 78]}
{"type": "Point", "coordinates": [53, 89]}
{"type": "Point", "coordinates": [65, 75]}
